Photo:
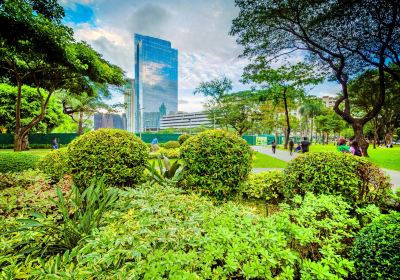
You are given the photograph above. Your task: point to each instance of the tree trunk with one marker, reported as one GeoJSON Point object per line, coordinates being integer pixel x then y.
{"type": "Point", "coordinates": [287, 134]}
{"type": "Point", "coordinates": [311, 130]}
{"type": "Point", "coordinates": [327, 138]}
{"type": "Point", "coordinates": [80, 123]}
{"type": "Point", "coordinates": [375, 138]}
{"type": "Point", "coordinates": [359, 136]}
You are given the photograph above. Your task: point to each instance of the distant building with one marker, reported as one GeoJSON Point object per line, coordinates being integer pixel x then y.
{"type": "Point", "coordinates": [329, 101]}
{"type": "Point", "coordinates": [156, 81]}
{"type": "Point", "coordinates": [129, 99]}
{"type": "Point", "coordinates": [105, 120]}
{"type": "Point", "coordinates": [185, 120]}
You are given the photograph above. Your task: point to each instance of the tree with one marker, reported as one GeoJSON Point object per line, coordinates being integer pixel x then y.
{"type": "Point", "coordinates": [364, 91]}
{"type": "Point", "coordinates": [239, 110]}
{"type": "Point", "coordinates": [37, 50]}
{"type": "Point", "coordinates": [312, 107]}
{"type": "Point", "coordinates": [282, 84]}
{"type": "Point", "coordinates": [342, 37]}
{"type": "Point", "coordinates": [30, 107]}
{"type": "Point", "coordinates": [214, 90]}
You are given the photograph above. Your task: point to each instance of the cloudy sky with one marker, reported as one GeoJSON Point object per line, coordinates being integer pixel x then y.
{"type": "Point", "coordinates": [197, 28]}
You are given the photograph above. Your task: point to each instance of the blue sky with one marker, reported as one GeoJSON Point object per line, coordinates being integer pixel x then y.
{"type": "Point", "coordinates": [198, 29]}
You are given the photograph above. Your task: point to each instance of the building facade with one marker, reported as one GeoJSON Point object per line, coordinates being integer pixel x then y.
{"type": "Point", "coordinates": [129, 99]}
{"type": "Point", "coordinates": [156, 81]}
{"type": "Point", "coordinates": [185, 120]}
{"type": "Point", "coordinates": [329, 101]}
{"type": "Point", "coordinates": [105, 120]}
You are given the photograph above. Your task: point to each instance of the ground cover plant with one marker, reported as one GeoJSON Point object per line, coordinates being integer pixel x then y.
{"type": "Point", "coordinates": [160, 231]}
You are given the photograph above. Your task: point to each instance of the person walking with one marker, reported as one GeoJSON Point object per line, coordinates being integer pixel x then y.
{"type": "Point", "coordinates": [55, 143]}
{"type": "Point", "coordinates": [305, 145]}
{"type": "Point", "coordinates": [273, 147]}
{"type": "Point", "coordinates": [291, 146]}
{"type": "Point", "coordinates": [154, 145]}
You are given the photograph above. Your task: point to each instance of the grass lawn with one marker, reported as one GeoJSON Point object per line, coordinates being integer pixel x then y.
{"type": "Point", "coordinates": [39, 152]}
{"type": "Point", "coordinates": [265, 161]}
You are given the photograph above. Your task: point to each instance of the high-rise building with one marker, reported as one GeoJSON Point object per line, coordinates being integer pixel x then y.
{"type": "Point", "coordinates": [156, 81]}
{"type": "Point", "coordinates": [129, 99]}
{"type": "Point", "coordinates": [106, 120]}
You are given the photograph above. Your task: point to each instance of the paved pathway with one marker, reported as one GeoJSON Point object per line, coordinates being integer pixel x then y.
{"type": "Point", "coordinates": [285, 156]}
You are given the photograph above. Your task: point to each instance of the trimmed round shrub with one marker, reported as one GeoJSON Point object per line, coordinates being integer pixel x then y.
{"type": "Point", "coordinates": [171, 145]}
{"type": "Point", "coordinates": [359, 181]}
{"type": "Point", "coordinates": [265, 185]}
{"type": "Point", "coordinates": [17, 161]}
{"type": "Point", "coordinates": [216, 163]}
{"type": "Point", "coordinates": [54, 164]}
{"type": "Point", "coordinates": [376, 249]}
{"type": "Point", "coordinates": [116, 154]}
{"type": "Point", "coordinates": [183, 138]}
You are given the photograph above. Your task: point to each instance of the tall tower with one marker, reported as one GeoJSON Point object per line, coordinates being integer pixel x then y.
{"type": "Point", "coordinates": [129, 98]}
{"type": "Point", "coordinates": [156, 81]}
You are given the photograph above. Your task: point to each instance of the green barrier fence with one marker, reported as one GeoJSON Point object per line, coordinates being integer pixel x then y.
{"type": "Point", "coordinates": [46, 140]}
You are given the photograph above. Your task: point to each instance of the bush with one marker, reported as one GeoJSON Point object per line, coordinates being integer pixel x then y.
{"type": "Point", "coordinates": [171, 145]}
{"type": "Point", "coordinates": [17, 161]}
{"type": "Point", "coordinates": [376, 251]}
{"type": "Point", "coordinates": [266, 185]}
{"type": "Point", "coordinates": [54, 164]}
{"type": "Point", "coordinates": [116, 154]}
{"type": "Point", "coordinates": [356, 179]}
{"type": "Point", "coordinates": [320, 228]}
{"type": "Point", "coordinates": [183, 138]}
{"type": "Point", "coordinates": [216, 163]}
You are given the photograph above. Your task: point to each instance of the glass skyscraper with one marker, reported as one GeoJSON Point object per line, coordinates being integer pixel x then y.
{"type": "Point", "coordinates": [156, 81]}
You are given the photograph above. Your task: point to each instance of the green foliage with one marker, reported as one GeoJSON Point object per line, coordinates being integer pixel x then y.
{"type": "Point", "coordinates": [320, 228]}
{"type": "Point", "coordinates": [357, 180]}
{"type": "Point", "coordinates": [169, 153]}
{"type": "Point", "coordinates": [17, 161]}
{"type": "Point", "coordinates": [240, 110]}
{"type": "Point", "coordinates": [171, 145]}
{"type": "Point", "coordinates": [30, 107]}
{"type": "Point", "coordinates": [54, 164]}
{"type": "Point", "coordinates": [160, 232]}
{"type": "Point", "coordinates": [216, 163]}
{"type": "Point", "coordinates": [167, 173]}
{"type": "Point", "coordinates": [376, 251]}
{"type": "Point", "coordinates": [78, 217]}
{"type": "Point", "coordinates": [183, 138]}
{"type": "Point", "coordinates": [266, 185]}
{"type": "Point", "coordinates": [117, 155]}
{"type": "Point", "coordinates": [28, 192]}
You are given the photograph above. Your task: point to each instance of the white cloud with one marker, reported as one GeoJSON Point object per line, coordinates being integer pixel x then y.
{"type": "Point", "coordinates": [151, 73]}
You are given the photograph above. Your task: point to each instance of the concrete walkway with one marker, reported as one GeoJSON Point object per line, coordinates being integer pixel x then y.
{"type": "Point", "coordinates": [285, 156]}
